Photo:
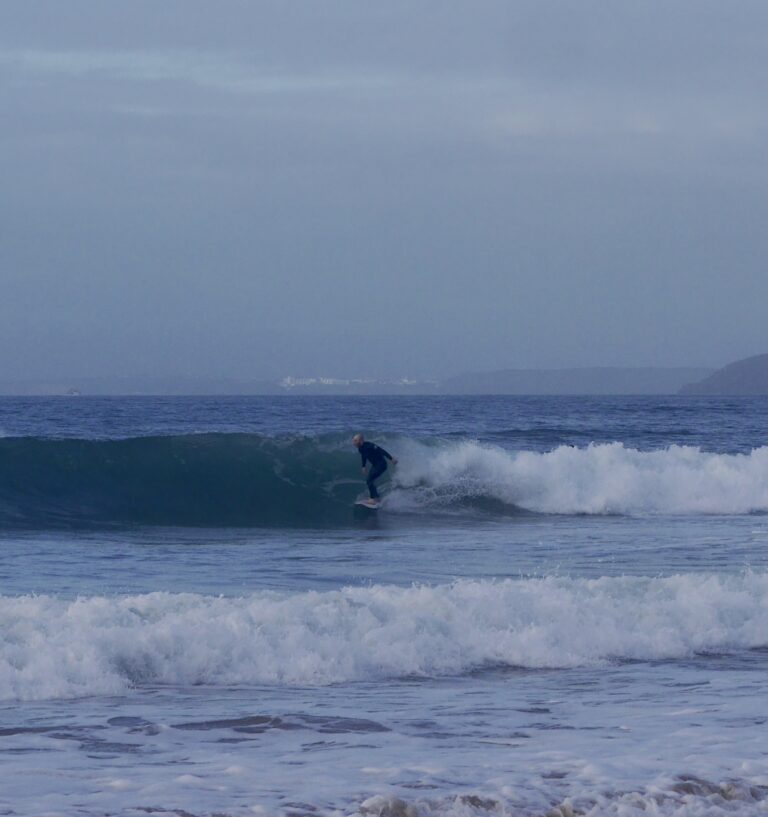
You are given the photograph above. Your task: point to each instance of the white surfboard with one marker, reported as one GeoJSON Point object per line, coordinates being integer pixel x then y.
{"type": "Point", "coordinates": [371, 504]}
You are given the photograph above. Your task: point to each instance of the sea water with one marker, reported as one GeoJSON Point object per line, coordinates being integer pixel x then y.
{"type": "Point", "coordinates": [561, 608]}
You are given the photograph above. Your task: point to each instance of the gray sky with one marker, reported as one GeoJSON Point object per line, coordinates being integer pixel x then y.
{"type": "Point", "coordinates": [251, 189]}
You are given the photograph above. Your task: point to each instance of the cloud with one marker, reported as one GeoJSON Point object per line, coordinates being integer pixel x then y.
{"type": "Point", "coordinates": [493, 106]}
{"type": "Point", "coordinates": [225, 72]}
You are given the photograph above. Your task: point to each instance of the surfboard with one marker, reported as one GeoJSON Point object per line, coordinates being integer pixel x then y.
{"type": "Point", "coordinates": [369, 504]}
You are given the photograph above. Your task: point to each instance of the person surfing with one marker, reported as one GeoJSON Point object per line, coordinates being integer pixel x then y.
{"type": "Point", "coordinates": [377, 457]}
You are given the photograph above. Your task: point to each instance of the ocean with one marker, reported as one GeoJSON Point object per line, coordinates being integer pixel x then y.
{"type": "Point", "coordinates": [560, 609]}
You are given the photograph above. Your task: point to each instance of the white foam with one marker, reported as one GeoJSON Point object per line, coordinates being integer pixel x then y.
{"type": "Point", "coordinates": [598, 479]}
{"type": "Point", "coordinates": [54, 648]}
{"type": "Point", "coordinates": [681, 798]}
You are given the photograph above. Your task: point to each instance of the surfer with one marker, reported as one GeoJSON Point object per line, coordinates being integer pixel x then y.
{"type": "Point", "coordinates": [377, 456]}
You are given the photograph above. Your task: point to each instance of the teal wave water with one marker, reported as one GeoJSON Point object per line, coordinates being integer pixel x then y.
{"type": "Point", "coordinates": [202, 479]}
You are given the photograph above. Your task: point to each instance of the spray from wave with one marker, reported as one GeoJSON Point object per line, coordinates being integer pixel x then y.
{"type": "Point", "coordinates": [245, 479]}
{"type": "Point", "coordinates": [55, 648]}
{"type": "Point", "coordinates": [599, 479]}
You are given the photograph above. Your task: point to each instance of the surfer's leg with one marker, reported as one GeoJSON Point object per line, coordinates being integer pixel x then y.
{"type": "Point", "coordinates": [372, 485]}
{"type": "Point", "coordinates": [375, 472]}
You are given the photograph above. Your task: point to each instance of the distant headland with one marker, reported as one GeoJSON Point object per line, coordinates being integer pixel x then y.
{"type": "Point", "coordinates": [744, 377]}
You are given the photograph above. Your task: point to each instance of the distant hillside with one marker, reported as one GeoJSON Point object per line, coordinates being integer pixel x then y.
{"type": "Point", "coordinates": [596, 380]}
{"type": "Point", "coordinates": [744, 377]}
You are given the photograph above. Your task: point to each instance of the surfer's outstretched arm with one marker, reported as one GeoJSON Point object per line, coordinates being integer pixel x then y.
{"type": "Point", "coordinates": [388, 455]}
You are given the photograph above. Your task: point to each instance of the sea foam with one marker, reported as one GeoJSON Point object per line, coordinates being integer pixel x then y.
{"type": "Point", "coordinates": [55, 648]}
{"type": "Point", "coordinates": [599, 479]}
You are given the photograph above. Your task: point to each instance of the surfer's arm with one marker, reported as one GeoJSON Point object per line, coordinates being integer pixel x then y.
{"type": "Point", "coordinates": [388, 456]}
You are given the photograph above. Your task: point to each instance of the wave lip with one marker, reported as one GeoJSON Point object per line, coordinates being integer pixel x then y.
{"type": "Point", "coordinates": [52, 648]}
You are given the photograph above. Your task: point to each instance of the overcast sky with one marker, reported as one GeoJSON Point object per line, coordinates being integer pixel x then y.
{"type": "Point", "coordinates": [253, 189]}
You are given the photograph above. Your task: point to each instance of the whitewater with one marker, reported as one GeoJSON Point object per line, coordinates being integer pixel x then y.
{"type": "Point", "coordinates": [598, 479]}
{"type": "Point", "coordinates": [561, 609]}
{"type": "Point", "coordinates": [100, 645]}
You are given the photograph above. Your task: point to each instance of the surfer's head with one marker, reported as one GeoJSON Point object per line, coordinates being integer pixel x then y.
{"type": "Point", "coordinates": [358, 440]}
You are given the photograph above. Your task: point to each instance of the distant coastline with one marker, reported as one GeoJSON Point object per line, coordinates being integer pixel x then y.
{"type": "Point", "coordinates": [743, 377]}
{"type": "Point", "coordinates": [595, 380]}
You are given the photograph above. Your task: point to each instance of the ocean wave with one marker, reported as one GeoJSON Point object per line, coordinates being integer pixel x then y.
{"type": "Point", "coordinates": [196, 479]}
{"type": "Point", "coordinates": [245, 479]}
{"type": "Point", "coordinates": [597, 479]}
{"type": "Point", "coordinates": [56, 648]}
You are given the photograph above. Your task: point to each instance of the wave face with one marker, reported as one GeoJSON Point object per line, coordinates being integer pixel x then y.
{"type": "Point", "coordinates": [54, 648]}
{"type": "Point", "coordinates": [202, 479]}
{"type": "Point", "coordinates": [245, 479]}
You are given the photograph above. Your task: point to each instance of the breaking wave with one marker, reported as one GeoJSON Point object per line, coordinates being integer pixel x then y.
{"type": "Point", "coordinates": [597, 479]}
{"type": "Point", "coordinates": [245, 479]}
{"type": "Point", "coordinates": [57, 648]}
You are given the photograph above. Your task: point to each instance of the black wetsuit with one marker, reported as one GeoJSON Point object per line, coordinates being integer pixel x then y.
{"type": "Point", "coordinates": [377, 456]}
